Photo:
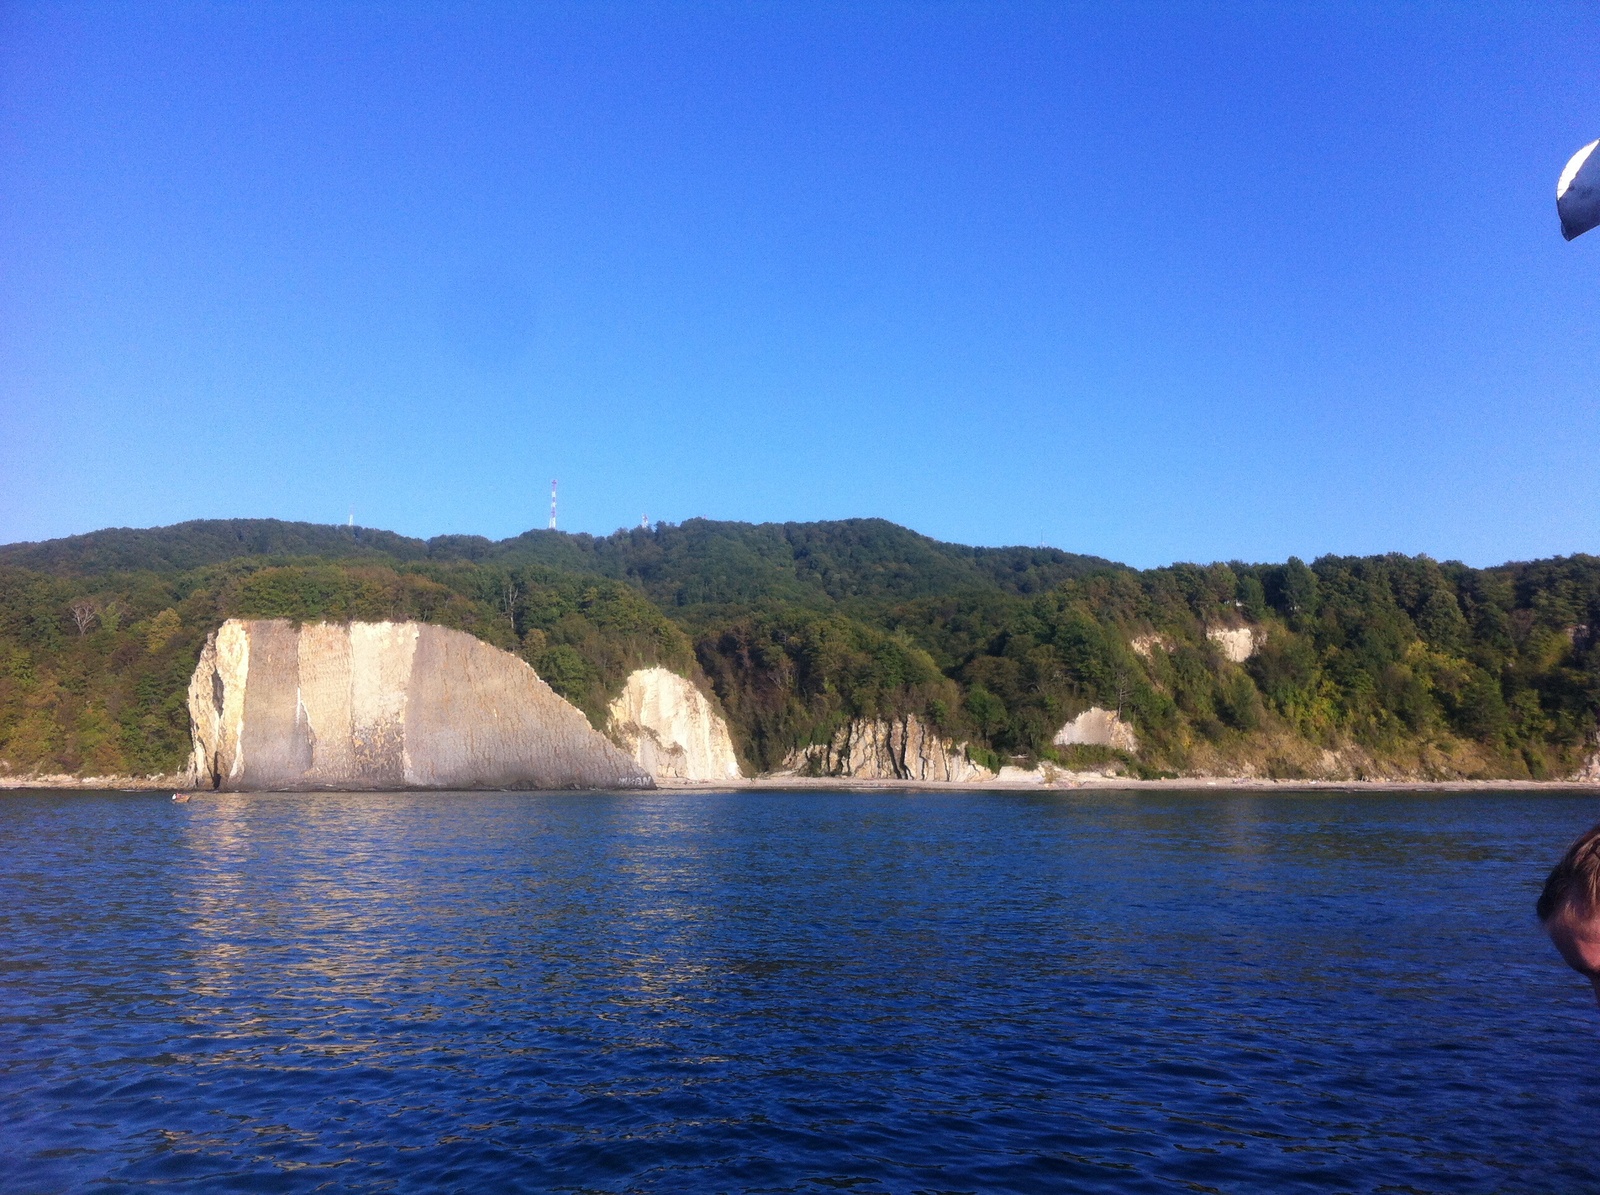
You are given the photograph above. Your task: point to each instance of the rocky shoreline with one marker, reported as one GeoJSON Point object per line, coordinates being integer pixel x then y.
{"type": "Point", "coordinates": [172, 782]}
{"type": "Point", "coordinates": [1127, 783]}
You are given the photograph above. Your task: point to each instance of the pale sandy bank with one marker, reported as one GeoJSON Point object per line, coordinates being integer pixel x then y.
{"type": "Point", "coordinates": [173, 783]}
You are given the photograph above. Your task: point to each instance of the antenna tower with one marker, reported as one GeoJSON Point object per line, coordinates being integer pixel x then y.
{"type": "Point", "coordinates": [552, 505]}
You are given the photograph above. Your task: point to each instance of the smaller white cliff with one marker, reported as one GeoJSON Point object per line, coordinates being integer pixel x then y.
{"type": "Point", "coordinates": [1098, 727]}
{"type": "Point", "coordinates": [671, 729]}
{"type": "Point", "coordinates": [1235, 643]}
{"type": "Point", "coordinates": [904, 748]}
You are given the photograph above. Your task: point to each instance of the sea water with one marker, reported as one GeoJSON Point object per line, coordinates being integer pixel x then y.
{"type": "Point", "coordinates": [937, 992]}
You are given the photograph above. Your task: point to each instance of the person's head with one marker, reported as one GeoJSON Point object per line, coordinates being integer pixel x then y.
{"type": "Point", "coordinates": [1569, 907]}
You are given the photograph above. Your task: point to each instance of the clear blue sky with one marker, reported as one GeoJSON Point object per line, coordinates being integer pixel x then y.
{"type": "Point", "coordinates": [1159, 282]}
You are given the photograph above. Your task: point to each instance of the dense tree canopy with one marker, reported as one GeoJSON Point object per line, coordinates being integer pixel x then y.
{"type": "Point", "coordinates": [1365, 665]}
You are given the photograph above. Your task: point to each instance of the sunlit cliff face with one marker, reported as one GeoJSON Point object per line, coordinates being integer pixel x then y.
{"type": "Point", "coordinates": [279, 706]}
{"type": "Point", "coordinates": [1577, 937]}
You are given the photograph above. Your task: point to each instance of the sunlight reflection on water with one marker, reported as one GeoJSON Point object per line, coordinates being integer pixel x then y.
{"type": "Point", "coordinates": [962, 992]}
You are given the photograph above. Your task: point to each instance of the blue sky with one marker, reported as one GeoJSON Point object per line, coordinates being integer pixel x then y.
{"type": "Point", "coordinates": [1159, 282]}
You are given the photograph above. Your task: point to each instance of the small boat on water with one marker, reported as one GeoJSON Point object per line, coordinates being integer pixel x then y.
{"type": "Point", "coordinates": [180, 798]}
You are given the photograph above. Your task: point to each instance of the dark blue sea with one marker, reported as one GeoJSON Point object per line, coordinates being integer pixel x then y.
{"type": "Point", "coordinates": [820, 992]}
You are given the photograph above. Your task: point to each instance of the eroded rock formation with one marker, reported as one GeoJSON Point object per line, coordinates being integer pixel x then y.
{"type": "Point", "coordinates": [671, 729]}
{"type": "Point", "coordinates": [887, 749]}
{"type": "Point", "coordinates": [1098, 727]}
{"type": "Point", "coordinates": [385, 705]}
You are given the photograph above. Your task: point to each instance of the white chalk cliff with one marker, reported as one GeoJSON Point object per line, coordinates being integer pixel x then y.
{"type": "Point", "coordinates": [671, 729]}
{"type": "Point", "coordinates": [1100, 728]}
{"type": "Point", "coordinates": [385, 705]}
{"type": "Point", "coordinates": [887, 749]}
{"type": "Point", "coordinates": [1235, 643]}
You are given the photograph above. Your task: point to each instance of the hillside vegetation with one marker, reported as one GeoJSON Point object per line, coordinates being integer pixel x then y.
{"type": "Point", "coordinates": [1373, 666]}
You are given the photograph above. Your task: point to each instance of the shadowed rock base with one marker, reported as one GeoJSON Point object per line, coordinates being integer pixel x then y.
{"type": "Point", "coordinates": [383, 706]}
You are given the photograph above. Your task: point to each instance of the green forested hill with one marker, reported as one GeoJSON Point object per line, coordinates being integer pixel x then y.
{"type": "Point", "coordinates": [1378, 666]}
{"type": "Point", "coordinates": [208, 541]}
{"type": "Point", "coordinates": [691, 564]}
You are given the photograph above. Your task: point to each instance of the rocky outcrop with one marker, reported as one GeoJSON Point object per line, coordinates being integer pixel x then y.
{"type": "Point", "coordinates": [1235, 643]}
{"type": "Point", "coordinates": [1099, 728]}
{"type": "Point", "coordinates": [1146, 645]}
{"type": "Point", "coordinates": [1589, 773]}
{"type": "Point", "coordinates": [887, 749]}
{"type": "Point", "coordinates": [671, 729]}
{"type": "Point", "coordinates": [381, 706]}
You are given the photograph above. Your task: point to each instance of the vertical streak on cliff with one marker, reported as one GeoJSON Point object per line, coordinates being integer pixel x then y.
{"type": "Point", "coordinates": [382, 656]}
{"type": "Point", "coordinates": [274, 739]}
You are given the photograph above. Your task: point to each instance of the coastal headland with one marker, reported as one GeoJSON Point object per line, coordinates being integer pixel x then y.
{"type": "Point", "coordinates": [255, 654]}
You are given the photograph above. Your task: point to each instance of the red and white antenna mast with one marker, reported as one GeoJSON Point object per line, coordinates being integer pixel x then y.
{"type": "Point", "coordinates": [552, 505]}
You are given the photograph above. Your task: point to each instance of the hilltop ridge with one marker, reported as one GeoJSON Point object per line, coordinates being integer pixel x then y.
{"type": "Point", "coordinates": [838, 559]}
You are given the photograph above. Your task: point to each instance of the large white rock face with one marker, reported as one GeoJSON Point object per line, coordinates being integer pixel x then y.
{"type": "Point", "coordinates": [381, 706]}
{"type": "Point", "coordinates": [671, 730]}
{"type": "Point", "coordinates": [1098, 728]}
{"type": "Point", "coordinates": [888, 749]}
{"type": "Point", "coordinates": [1235, 643]}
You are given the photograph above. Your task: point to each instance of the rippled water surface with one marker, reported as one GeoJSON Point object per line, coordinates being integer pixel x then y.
{"type": "Point", "coordinates": [790, 992]}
